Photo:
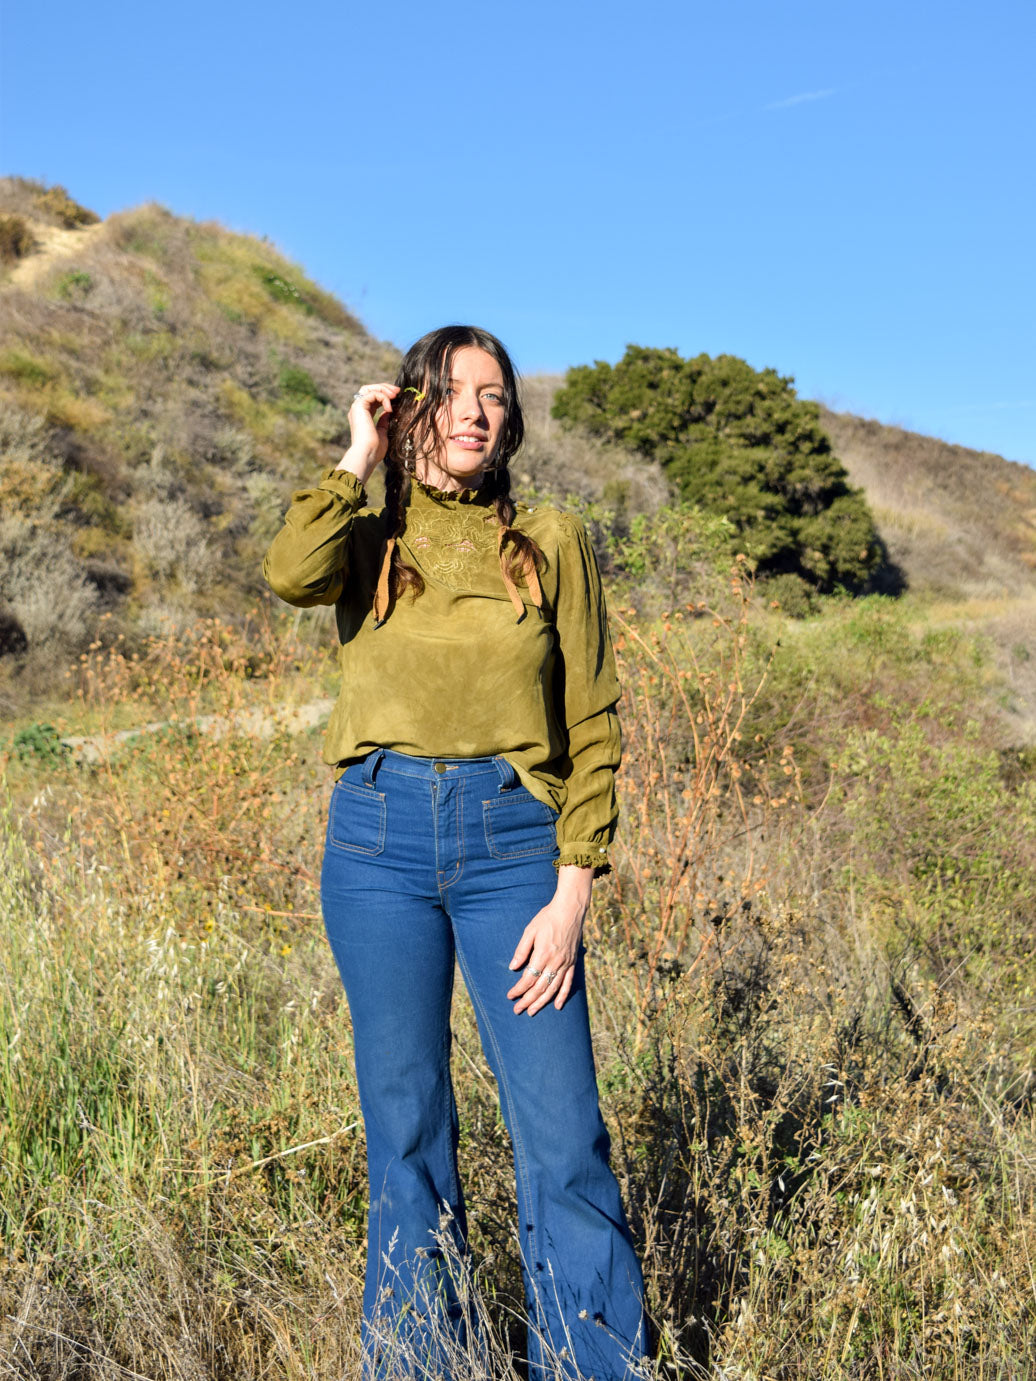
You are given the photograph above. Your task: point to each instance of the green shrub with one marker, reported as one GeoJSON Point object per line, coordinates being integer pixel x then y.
{"type": "Point", "coordinates": [74, 286]}
{"type": "Point", "coordinates": [27, 368]}
{"type": "Point", "coordinates": [158, 295]}
{"type": "Point", "coordinates": [739, 442]}
{"type": "Point", "coordinates": [281, 289]}
{"type": "Point", "coordinates": [299, 389]}
{"type": "Point", "coordinates": [40, 743]}
{"type": "Point", "coordinates": [794, 596]}
{"type": "Point", "coordinates": [307, 297]}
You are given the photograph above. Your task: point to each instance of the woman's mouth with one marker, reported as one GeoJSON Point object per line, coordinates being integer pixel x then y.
{"type": "Point", "coordinates": [468, 442]}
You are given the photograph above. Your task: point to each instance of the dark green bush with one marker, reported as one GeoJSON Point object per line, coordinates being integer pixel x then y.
{"type": "Point", "coordinates": [739, 442]}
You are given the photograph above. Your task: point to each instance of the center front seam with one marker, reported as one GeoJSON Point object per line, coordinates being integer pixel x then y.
{"type": "Point", "coordinates": [456, 793]}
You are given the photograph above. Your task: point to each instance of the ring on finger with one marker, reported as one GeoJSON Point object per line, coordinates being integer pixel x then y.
{"type": "Point", "coordinates": [535, 972]}
{"type": "Point", "coordinates": [550, 975]}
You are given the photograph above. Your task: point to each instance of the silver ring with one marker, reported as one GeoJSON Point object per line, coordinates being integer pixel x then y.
{"type": "Point", "coordinates": [535, 972]}
{"type": "Point", "coordinates": [551, 975]}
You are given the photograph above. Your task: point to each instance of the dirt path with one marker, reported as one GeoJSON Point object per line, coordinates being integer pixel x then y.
{"type": "Point", "coordinates": [52, 242]}
{"type": "Point", "coordinates": [260, 722]}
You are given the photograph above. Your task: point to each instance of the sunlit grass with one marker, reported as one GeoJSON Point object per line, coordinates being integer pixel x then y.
{"type": "Point", "coordinates": [818, 1083]}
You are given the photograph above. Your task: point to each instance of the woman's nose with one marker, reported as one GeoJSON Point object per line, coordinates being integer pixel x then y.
{"type": "Point", "coordinates": [470, 405]}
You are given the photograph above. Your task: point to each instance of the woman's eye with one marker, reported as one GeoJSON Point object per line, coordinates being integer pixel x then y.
{"type": "Point", "coordinates": [493, 397]}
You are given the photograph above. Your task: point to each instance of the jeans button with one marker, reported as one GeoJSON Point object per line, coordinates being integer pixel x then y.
{"type": "Point", "coordinates": [440, 767]}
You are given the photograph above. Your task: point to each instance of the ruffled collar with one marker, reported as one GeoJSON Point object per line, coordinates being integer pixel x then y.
{"type": "Point", "coordinates": [422, 494]}
{"type": "Point", "coordinates": [447, 498]}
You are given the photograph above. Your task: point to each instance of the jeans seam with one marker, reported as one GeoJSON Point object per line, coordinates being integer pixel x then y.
{"type": "Point", "coordinates": [459, 869]}
{"type": "Point", "coordinates": [521, 1160]}
{"type": "Point", "coordinates": [448, 1111]}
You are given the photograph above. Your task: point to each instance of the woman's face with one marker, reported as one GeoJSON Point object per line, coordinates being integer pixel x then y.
{"type": "Point", "coordinates": [469, 422]}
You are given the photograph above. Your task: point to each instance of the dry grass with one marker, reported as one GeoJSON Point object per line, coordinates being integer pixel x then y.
{"type": "Point", "coordinates": [816, 1074]}
{"type": "Point", "coordinates": [959, 522]}
{"type": "Point", "coordinates": [811, 970]}
{"type": "Point", "coordinates": [154, 355]}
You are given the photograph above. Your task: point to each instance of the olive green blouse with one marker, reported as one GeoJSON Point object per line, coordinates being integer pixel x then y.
{"type": "Point", "coordinates": [454, 672]}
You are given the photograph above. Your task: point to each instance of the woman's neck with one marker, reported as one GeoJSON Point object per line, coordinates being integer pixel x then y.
{"type": "Point", "coordinates": [428, 472]}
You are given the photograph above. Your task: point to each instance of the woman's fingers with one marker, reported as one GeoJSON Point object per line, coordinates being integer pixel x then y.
{"type": "Point", "coordinates": [543, 980]}
{"type": "Point", "coordinates": [370, 397]}
{"type": "Point", "coordinates": [531, 959]}
{"type": "Point", "coordinates": [547, 949]}
{"type": "Point", "coordinates": [367, 435]}
{"type": "Point", "coordinates": [544, 991]}
{"type": "Point", "coordinates": [565, 989]}
{"type": "Point", "coordinates": [524, 949]}
{"type": "Point", "coordinates": [383, 389]}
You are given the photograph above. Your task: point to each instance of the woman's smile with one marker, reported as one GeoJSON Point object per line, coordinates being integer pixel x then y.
{"type": "Point", "coordinates": [469, 441]}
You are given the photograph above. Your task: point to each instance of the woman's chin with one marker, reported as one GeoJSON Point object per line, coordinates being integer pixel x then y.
{"type": "Point", "coordinates": [454, 474]}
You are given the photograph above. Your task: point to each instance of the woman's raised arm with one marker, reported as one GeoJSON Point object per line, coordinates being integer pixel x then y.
{"type": "Point", "coordinates": [308, 561]}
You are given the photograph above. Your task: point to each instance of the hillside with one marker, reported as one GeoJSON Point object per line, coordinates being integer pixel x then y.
{"type": "Point", "coordinates": [957, 521]}
{"type": "Point", "coordinates": [961, 525]}
{"type": "Point", "coordinates": [165, 383]}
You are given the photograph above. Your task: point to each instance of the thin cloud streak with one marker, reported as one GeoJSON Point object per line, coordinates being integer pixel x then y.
{"type": "Point", "coordinates": [801, 98]}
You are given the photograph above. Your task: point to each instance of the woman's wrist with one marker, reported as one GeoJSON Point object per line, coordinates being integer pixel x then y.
{"type": "Point", "coordinates": [358, 462]}
{"type": "Point", "coordinates": [575, 883]}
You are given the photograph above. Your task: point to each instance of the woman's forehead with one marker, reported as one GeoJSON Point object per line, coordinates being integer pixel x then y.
{"type": "Point", "coordinates": [471, 364]}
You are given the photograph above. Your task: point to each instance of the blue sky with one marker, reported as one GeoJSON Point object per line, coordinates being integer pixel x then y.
{"type": "Point", "coordinates": [845, 192]}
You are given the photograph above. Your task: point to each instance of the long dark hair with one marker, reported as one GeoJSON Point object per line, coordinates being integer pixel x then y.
{"type": "Point", "coordinates": [423, 378]}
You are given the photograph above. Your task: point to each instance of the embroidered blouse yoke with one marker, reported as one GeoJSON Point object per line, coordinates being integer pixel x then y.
{"type": "Point", "coordinates": [453, 673]}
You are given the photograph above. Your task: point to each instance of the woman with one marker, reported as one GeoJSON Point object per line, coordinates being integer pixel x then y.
{"type": "Point", "coordinates": [475, 743]}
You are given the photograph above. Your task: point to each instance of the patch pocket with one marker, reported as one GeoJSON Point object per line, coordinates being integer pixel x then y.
{"type": "Point", "coordinates": [519, 826]}
{"type": "Point", "coordinates": [357, 820]}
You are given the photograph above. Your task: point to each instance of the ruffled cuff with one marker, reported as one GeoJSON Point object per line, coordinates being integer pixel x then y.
{"type": "Point", "coordinates": [345, 485]}
{"type": "Point", "coordinates": [584, 855]}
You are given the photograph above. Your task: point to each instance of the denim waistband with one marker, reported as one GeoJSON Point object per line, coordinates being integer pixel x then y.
{"type": "Point", "coordinates": [380, 760]}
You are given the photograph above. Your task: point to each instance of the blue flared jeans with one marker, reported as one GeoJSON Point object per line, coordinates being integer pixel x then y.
{"type": "Point", "coordinates": [431, 862]}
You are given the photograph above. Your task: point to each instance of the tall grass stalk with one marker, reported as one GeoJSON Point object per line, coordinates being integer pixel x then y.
{"type": "Point", "coordinates": [824, 1128]}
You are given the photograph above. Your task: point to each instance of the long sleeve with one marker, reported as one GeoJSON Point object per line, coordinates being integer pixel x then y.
{"type": "Point", "coordinates": [585, 696]}
{"type": "Point", "coordinates": [307, 562]}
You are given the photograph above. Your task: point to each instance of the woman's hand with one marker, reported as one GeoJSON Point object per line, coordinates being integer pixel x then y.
{"type": "Point", "coordinates": [368, 439]}
{"type": "Point", "coordinates": [550, 944]}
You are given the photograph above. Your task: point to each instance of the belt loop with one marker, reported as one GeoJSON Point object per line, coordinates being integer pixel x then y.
{"type": "Point", "coordinates": [508, 776]}
{"type": "Point", "coordinates": [371, 763]}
